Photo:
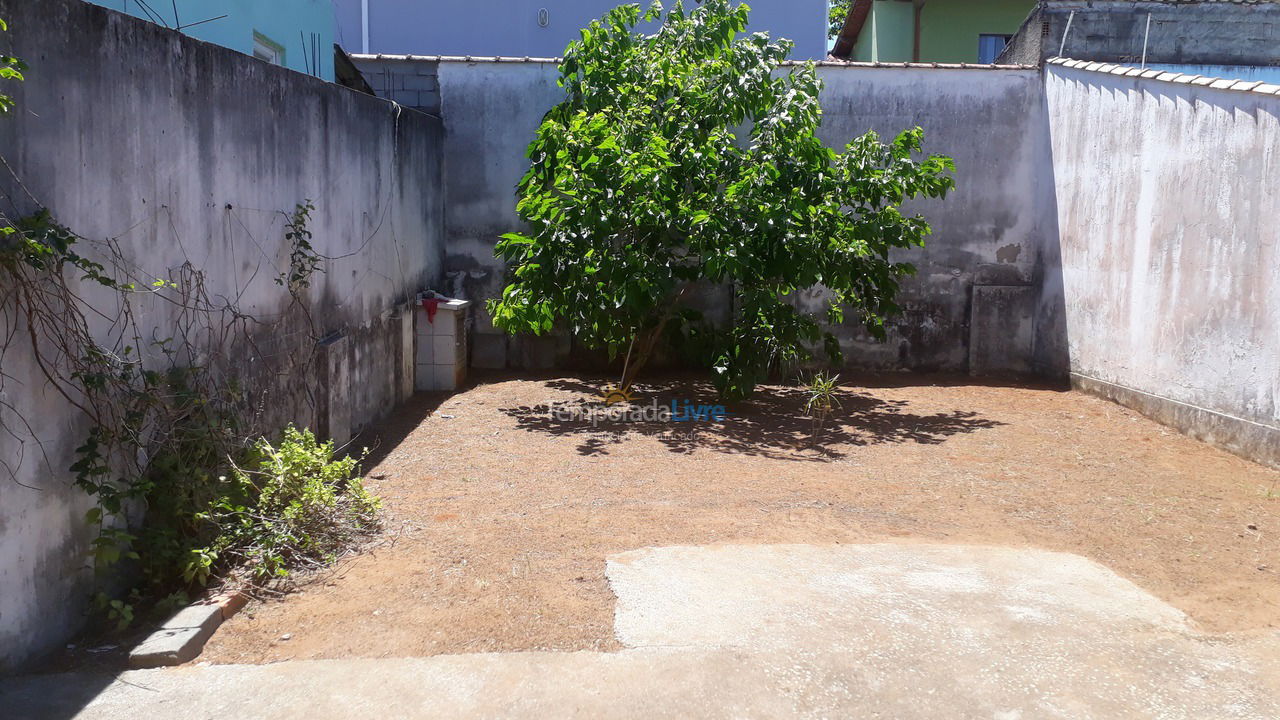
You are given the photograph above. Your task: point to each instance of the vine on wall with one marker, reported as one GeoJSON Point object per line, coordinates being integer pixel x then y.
{"type": "Point", "coordinates": [175, 458]}
{"type": "Point", "coordinates": [187, 488]}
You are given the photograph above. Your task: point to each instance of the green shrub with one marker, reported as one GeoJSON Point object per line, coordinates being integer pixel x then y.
{"type": "Point", "coordinates": [289, 506]}
{"type": "Point", "coordinates": [689, 158]}
{"type": "Point", "coordinates": [822, 399]}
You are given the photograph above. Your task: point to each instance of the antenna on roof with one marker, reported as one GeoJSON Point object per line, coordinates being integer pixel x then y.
{"type": "Point", "coordinates": [152, 15]}
{"type": "Point", "coordinates": [201, 22]}
{"type": "Point", "coordinates": [1145, 38]}
{"type": "Point", "coordinates": [1062, 48]}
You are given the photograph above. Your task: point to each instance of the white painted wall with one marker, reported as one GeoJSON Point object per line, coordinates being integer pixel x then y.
{"type": "Point", "coordinates": [1171, 249]}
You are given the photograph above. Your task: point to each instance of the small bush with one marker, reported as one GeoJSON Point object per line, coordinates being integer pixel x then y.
{"type": "Point", "coordinates": [822, 399]}
{"type": "Point", "coordinates": [289, 506]}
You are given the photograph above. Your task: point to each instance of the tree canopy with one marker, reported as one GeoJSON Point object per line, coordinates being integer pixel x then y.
{"type": "Point", "coordinates": [686, 159]}
{"type": "Point", "coordinates": [838, 12]}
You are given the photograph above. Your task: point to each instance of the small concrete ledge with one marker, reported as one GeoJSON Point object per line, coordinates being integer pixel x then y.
{"type": "Point", "coordinates": [182, 637]}
{"type": "Point", "coordinates": [442, 343]}
{"type": "Point", "coordinates": [179, 640]}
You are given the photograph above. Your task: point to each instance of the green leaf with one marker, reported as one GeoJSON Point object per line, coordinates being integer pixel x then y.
{"type": "Point", "coordinates": [723, 181]}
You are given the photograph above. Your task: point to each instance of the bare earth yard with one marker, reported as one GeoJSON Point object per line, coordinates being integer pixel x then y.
{"type": "Point", "coordinates": [501, 517]}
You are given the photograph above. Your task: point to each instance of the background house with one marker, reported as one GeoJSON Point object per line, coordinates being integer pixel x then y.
{"type": "Point", "coordinates": [951, 31]}
{"type": "Point", "coordinates": [1204, 37]}
{"type": "Point", "coordinates": [296, 34]}
{"type": "Point", "coordinates": [533, 28]}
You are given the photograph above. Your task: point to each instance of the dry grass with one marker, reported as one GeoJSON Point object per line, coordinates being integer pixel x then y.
{"type": "Point", "coordinates": [507, 515]}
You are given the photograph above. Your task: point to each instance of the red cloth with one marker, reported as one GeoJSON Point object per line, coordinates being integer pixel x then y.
{"type": "Point", "coordinates": [431, 305]}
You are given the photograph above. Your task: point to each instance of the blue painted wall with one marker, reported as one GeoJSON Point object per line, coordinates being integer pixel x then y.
{"type": "Point", "coordinates": [303, 28]}
{"type": "Point", "coordinates": [514, 28]}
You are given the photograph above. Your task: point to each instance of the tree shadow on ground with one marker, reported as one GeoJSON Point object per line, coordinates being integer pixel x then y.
{"type": "Point", "coordinates": [771, 424]}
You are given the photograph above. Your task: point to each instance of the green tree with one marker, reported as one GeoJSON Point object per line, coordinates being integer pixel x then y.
{"type": "Point", "coordinates": [838, 13]}
{"type": "Point", "coordinates": [10, 69]}
{"type": "Point", "coordinates": [683, 160]}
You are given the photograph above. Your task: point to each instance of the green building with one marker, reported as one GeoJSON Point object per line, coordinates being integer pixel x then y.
{"type": "Point", "coordinates": [951, 31]}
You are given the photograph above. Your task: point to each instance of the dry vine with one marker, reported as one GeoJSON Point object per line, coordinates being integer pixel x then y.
{"type": "Point", "coordinates": [167, 416]}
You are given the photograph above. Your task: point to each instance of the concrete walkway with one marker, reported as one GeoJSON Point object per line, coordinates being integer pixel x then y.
{"type": "Point", "coordinates": [895, 631]}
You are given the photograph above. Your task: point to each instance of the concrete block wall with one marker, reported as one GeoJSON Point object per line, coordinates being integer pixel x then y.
{"type": "Point", "coordinates": [991, 235]}
{"type": "Point", "coordinates": [1201, 32]}
{"type": "Point", "coordinates": [412, 84]}
{"type": "Point", "coordinates": [188, 152]}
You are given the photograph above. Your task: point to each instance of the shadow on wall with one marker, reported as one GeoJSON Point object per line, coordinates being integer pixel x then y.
{"type": "Point", "coordinates": [772, 424]}
{"type": "Point", "coordinates": [1051, 354]}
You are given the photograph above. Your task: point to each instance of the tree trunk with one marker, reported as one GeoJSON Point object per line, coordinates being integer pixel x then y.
{"type": "Point", "coordinates": [648, 341]}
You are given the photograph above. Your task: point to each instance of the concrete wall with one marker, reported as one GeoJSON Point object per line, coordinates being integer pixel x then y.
{"type": "Point", "coordinates": [511, 28]}
{"type": "Point", "coordinates": [1185, 32]}
{"type": "Point", "coordinates": [490, 112]}
{"type": "Point", "coordinates": [1170, 249]}
{"type": "Point", "coordinates": [186, 151]}
{"type": "Point", "coordinates": [992, 232]}
{"type": "Point", "coordinates": [291, 24]}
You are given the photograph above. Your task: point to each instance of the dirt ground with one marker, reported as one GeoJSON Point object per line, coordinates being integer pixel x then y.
{"type": "Point", "coordinates": [501, 516]}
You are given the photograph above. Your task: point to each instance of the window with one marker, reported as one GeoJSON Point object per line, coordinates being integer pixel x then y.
{"type": "Point", "coordinates": [264, 48]}
{"type": "Point", "coordinates": [990, 47]}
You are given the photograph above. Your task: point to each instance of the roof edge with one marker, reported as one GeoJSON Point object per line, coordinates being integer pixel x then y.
{"type": "Point", "coordinates": [1252, 86]}
{"type": "Point", "coordinates": [475, 59]}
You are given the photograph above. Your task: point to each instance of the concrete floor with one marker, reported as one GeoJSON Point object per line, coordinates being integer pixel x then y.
{"type": "Point", "coordinates": [900, 631]}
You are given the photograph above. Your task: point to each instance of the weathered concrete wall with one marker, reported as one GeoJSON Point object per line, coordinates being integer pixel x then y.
{"type": "Point", "coordinates": [304, 29]}
{"type": "Point", "coordinates": [993, 231]}
{"type": "Point", "coordinates": [188, 152]}
{"type": "Point", "coordinates": [1208, 32]}
{"type": "Point", "coordinates": [490, 112]}
{"type": "Point", "coordinates": [1170, 250]}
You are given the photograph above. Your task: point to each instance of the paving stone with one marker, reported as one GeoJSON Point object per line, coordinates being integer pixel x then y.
{"type": "Point", "coordinates": [180, 639]}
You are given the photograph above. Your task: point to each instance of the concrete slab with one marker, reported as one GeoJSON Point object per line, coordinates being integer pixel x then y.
{"type": "Point", "coordinates": [633, 684]}
{"type": "Point", "coordinates": [772, 595]}
{"type": "Point", "coordinates": [770, 631]}
{"type": "Point", "coordinates": [984, 631]}
{"type": "Point", "coordinates": [180, 639]}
